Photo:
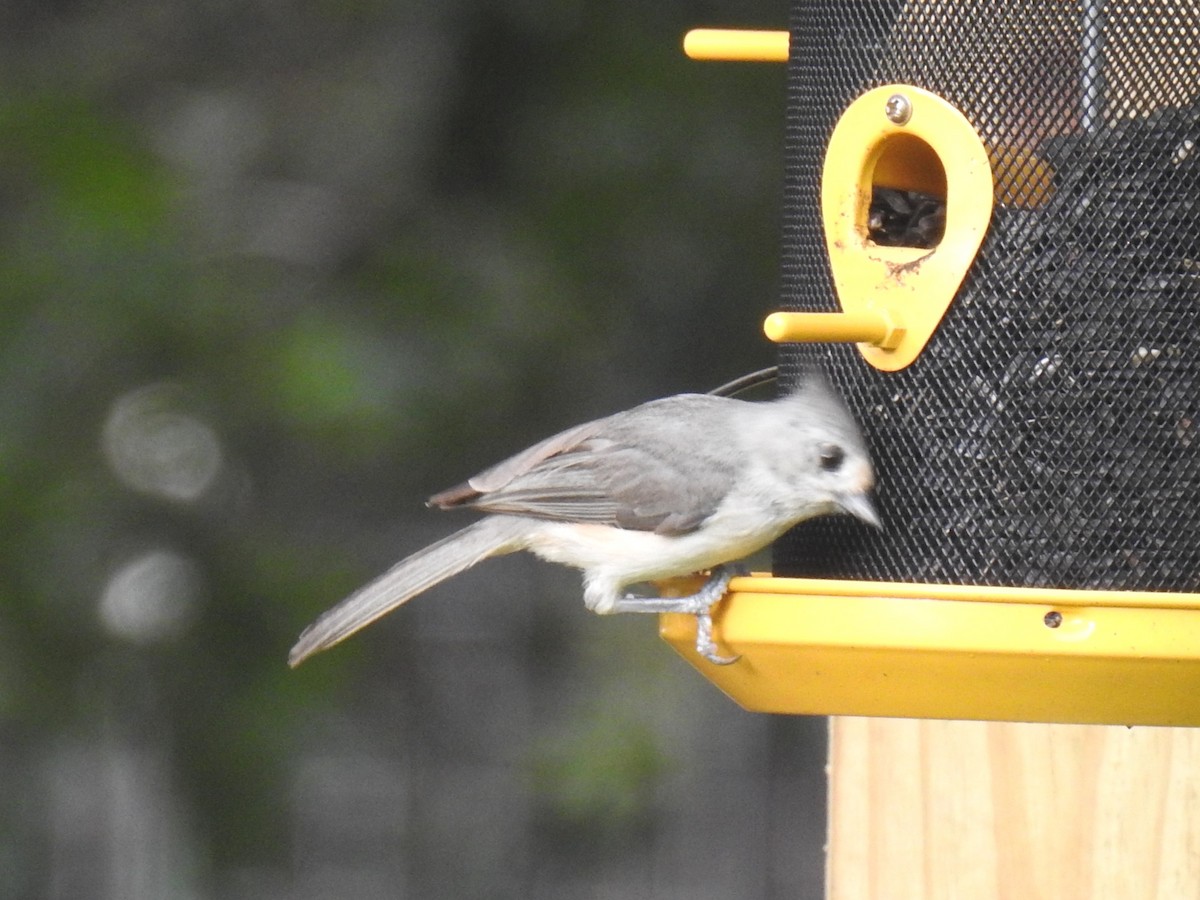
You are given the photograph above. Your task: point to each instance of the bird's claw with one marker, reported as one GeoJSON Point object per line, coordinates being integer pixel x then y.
{"type": "Point", "coordinates": [710, 595]}
{"type": "Point", "coordinates": [705, 645]}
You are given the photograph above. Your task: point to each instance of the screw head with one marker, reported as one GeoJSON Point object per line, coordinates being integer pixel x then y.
{"type": "Point", "coordinates": [898, 109]}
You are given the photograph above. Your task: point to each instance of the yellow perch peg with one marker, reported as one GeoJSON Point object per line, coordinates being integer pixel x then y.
{"type": "Point", "coordinates": [736, 45]}
{"type": "Point", "coordinates": [876, 327]}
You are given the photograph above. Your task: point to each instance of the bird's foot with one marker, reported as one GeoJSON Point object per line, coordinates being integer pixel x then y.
{"type": "Point", "coordinates": [699, 604]}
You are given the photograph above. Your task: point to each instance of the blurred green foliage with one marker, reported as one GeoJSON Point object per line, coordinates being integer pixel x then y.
{"type": "Point", "coordinates": [356, 252]}
{"type": "Point", "coordinates": [600, 794]}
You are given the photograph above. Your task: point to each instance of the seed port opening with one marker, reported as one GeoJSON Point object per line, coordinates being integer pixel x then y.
{"type": "Point", "coordinates": [908, 195]}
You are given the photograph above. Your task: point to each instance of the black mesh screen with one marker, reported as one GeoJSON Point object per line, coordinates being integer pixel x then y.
{"type": "Point", "coordinates": [1049, 434]}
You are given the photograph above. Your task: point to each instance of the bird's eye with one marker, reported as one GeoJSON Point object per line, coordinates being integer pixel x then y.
{"type": "Point", "coordinates": [832, 457]}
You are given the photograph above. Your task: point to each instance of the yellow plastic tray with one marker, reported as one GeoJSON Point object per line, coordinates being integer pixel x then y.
{"type": "Point", "coordinates": [811, 646]}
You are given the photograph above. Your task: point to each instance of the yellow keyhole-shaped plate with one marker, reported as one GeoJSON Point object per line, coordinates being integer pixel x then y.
{"type": "Point", "coordinates": [930, 147]}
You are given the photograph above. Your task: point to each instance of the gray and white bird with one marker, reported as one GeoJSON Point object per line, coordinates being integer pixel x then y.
{"type": "Point", "coordinates": [676, 486]}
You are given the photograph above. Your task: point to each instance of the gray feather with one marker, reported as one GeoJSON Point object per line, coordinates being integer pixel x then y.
{"type": "Point", "coordinates": [492, 536]}
{"type": "Point", "coordinates": [658, 467]}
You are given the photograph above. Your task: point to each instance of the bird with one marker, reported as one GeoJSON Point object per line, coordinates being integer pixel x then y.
{"type": "Point", "coordinates": [682, 485]}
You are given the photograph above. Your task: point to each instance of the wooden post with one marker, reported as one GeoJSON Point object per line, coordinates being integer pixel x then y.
{"type": "Point", "coordinates": [929, 809]}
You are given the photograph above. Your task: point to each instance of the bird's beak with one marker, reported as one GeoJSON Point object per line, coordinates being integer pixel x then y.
{"type": "Point", "coordinates": [860, 506]}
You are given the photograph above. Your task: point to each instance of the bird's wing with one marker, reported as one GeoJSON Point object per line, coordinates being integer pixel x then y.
{"type": "Point", "coordinates": [648, 469]}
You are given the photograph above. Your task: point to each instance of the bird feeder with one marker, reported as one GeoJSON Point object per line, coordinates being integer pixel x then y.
{"type": "Point", "coordinates": [992, 245]}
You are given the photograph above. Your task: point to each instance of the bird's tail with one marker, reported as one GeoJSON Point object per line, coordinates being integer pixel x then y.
{"type": "Point", "coordinates": [492, 536]}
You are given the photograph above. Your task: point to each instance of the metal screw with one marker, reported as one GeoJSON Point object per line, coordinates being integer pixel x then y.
{"type": "Point", "coordinates": [1052, 619]}
{"type": "Point", "coordinates": [898, 108]}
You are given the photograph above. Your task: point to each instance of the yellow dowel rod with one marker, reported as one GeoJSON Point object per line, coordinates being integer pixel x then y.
{"type": "Point", "coordinates": [736, 45]}
{"type": "Point", "coordinates": [865, 326]}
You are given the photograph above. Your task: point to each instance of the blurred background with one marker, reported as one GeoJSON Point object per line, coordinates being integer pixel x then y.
{"type": "Point", "coordinates": [270, 274]}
